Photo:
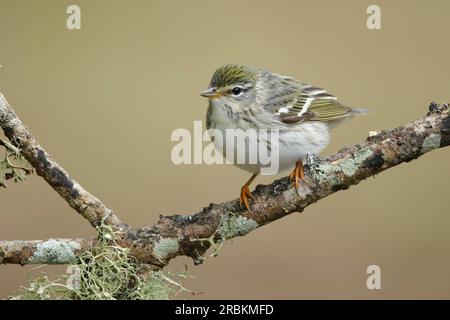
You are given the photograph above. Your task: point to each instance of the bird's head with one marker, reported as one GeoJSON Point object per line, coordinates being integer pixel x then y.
{"type": "Point", "coordinates": [233, 83]}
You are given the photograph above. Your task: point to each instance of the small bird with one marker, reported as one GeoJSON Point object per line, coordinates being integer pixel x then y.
{"type": "Point", "coordinates": [244, 97]}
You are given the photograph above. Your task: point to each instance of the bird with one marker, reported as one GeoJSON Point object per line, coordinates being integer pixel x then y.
{"type": "Point", "coordinates": [245, 97]}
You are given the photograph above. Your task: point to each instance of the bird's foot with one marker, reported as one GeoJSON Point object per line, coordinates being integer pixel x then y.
{"type": "Point", "coordinates": [245, 194]}
{"type": "Point", "coordinates": [297, 174]}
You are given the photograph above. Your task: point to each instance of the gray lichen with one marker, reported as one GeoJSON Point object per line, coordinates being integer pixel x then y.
{"type": "Point", "coordinates": [362, 154]}
{"type": "Point", "coordinates": [348, 167]}
{"type": "Point", "coordinates": [351, 165]}
{"type": "Point", "coordinates": [328, 173]}
{"type": "Point", "coordinates": [106, 271]}
{"type": "Point", "coordinates": [232, 226]}
{"type": "Point", "coordinates": [431, 142]}
{"type": "Point", "coordinates": [325, 172]}
{"type": "Point", "coordinates": [164, 247]}
{"type": "Point", "coordinates": [54, 251]}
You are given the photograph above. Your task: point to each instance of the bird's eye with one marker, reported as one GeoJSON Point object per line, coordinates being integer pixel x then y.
{"type": "Point", "coordinates": [236, 91]}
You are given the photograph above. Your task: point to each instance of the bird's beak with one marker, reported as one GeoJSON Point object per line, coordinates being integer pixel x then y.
{"type": "Point", "coordinates": [210, 93]}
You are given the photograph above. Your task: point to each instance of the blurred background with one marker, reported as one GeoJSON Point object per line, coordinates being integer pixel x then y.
{"type": "Point", "coordinates": [105, 99]}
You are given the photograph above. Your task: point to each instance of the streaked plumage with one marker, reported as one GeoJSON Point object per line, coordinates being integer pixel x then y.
{"type": "Point", "coordinates": [242, 97]}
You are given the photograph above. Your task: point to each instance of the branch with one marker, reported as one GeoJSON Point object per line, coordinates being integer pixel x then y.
{"type": "Point", "coordinates": [192, 235]}
{"type": "Point", "coordinates": [76, 196]}
{"type": "Point", "coordinates": [51, 251]}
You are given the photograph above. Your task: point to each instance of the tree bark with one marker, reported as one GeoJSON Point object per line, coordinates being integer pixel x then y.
{"type": "Point", "coordinates": [192, 235]}
{"type": "Point", "coordinates": [75, 195]}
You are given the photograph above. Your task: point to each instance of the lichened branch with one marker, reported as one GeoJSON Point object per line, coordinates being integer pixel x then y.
{"type": "Point", "coordinates": [76, 196]}
{"type": "Point", "coordinates": [194, 234]}
{"type": "Point", "coordinates": [51, 251]}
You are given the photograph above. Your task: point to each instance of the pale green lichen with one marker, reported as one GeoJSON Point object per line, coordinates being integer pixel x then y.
{"type": "Point", "coordinates": [431, 142]}
{"type": "Point", "coordinates": [13, 165]}
{"type": "Point", "coordinates": [105, 272]}
{"type": "Point", "coordinates": [164, 247]}
{"type": "Point", "coordinates": [231, 226]}
{"type": "Point", "coordinates": [327, 173]}
{"type": "Point", "coordinates": [348, 167]}
{"type": "Point", "coordinates": [351, 165]}
{"type": "Point", "coordinates": [362, 155]}
{"type": "Point", "coordinates": [54, 251]}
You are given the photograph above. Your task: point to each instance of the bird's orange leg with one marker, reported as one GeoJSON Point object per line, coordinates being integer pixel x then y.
{"type": "Point", "coordinates": [297, 174]}
{"type": "Point", "coordinates": [245, 192]}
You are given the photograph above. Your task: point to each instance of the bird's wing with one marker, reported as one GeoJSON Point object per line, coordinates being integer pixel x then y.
{"type": "Point", "coordinates": [295, 102]}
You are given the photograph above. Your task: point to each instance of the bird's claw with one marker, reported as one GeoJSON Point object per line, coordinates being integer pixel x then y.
{"type": "Point", "coordinates": [245, 194]}
{"type": "Point", "coordinates": [297, 174]}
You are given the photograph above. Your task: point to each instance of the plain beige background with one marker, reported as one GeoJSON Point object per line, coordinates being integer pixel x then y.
{"type": "Point", "coordinates": [104, 100]}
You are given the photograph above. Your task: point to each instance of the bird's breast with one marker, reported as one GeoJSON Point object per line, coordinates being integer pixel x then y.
{"type": "Point", "coordinates": [292, 142]}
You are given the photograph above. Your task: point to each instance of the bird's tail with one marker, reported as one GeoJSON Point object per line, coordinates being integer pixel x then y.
{"type": "Point", "coordinates": [358, 111]}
